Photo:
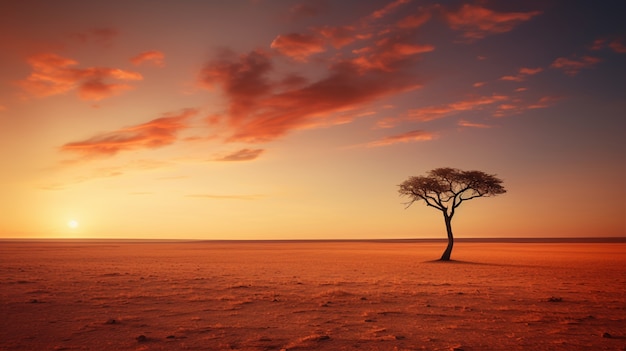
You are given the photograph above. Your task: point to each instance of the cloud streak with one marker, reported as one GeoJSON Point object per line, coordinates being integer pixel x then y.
{"type": "Point", "coordinates": [153, 57]}
{"type": "Point", "coordinates": [227, 197]}
{"type": "Point", "coordinates": [298, 46]}
{"type": "Point", "coordinates": [242, 155]}
{"type": "Point", "coordinates": [408, 137]}
{"type": "Point", "coordinates": [261, 109]}
{"type": "Point", "coordinates": [465, 123]}
{"type": "Point", "coordinates": [153, 134]}
{"type": "Point", "coordinates": [430, 113]}
{"type": "Point", "coordinates": [477, 22]}
{"type": "Point", "coordinates": [53, 75]}
{"type": "Point", "coordinates": [572, 67]}
{"type": "Point", "coordinates": [522, 74]}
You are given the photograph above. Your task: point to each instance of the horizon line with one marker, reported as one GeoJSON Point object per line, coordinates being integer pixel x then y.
{"type": "Point", "coordinates": [608, 239]}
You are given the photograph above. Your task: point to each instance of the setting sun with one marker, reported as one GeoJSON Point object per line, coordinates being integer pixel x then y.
{"type": "Point", "coordinates": [72, 224]}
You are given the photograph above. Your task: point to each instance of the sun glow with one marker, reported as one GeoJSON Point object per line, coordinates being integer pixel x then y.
{"type": "Point", "coordinates": [72, 224]}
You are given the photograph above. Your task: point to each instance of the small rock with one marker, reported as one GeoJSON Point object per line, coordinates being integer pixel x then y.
{"type": "Point", "coordinates": [555, 299]}
{"type": "Point", "coordinates": [141, 338]}
{"type": "Point", "coordinates": [170, 337]}
{"type": "Point", "coordinates": [606, 335]}
{"type": "Point", "coordinates": [34, 301]}
{"type": "Point", "coordinates": [110, 321]}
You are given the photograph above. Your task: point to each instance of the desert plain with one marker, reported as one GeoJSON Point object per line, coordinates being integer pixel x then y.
{"type": "Point", "coordinates": [311, 295]}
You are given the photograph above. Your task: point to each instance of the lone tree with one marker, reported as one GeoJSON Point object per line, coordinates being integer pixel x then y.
{"type": "Point", "coordinates": [446, 189]}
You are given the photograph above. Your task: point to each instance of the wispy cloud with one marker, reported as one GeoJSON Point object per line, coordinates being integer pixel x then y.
{"type": "Point", "coordinates": [309, 8]}
{"type": "Point", "coordinates": [464, 123]}
{"type": "Point", "coordinates": [242, 155]}
{"type": "Point", "coordinates": [153, 134]}
{"type": "Point", "coordinates": [108, 172]}
{"type": "Point", "coordinates": [415, 20]}
{"type": "Point", "coordinates": [412, 136]}
{"type": "Point", "coordinates": [153, 57]}
{"type": "Point", "coordinates": [392, 6]}
{"type": "Point", "coordinates": [616, 44]}
{"type": "Point", "coordinates": [477, 22]}
{"type": "Point", "coordinates": [518, 106]}
{"type": "Point", "coordinates": [53, 74]}
{"type": "Point", "coordinates": [544, 102]}
{"type": "Point", "coordinates": [571, 67]}
{"type": "Point", "coordinates": [430, 113]}
{"type": "Point", "coordinates": [338, 36]}
{"type": "Point", "coordinates": [298, 46]}
{"type": "Point", "coordinates": [522, 74]}
{"type": "Point", "coordinates": [227, 197]}
{"type": "Point", "coordinates": [262, 109]}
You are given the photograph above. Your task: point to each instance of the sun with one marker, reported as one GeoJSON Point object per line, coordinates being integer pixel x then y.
{"type": "Point", "coordinates": [72, 224]}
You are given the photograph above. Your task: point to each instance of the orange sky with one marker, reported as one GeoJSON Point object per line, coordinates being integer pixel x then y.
{"type": "Point", "coordinates": [298, 119]}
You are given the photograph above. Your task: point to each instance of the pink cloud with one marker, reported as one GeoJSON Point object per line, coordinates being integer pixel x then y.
{"type": "Point", "coordinates": [412, 136]}
{"type": "Point", "coordinates": [436, 112]}
{"type": "Point", "coordinates": [545, 102]}
{"type": "Point", "coordinates": [306, 9]}
{"type": "Point", "coordinates": [415, 20]}
{"type": "Point", "coordinates": [392, 6]}
{"type": "Point", "coordinates": [53, 75]}
{"type": "Point", "coordinates": [571, 67]}
{"type": "Point", "coordinates": [522, 74]}
{"type": "Point", "coordinates": [261, 109]}
{"type": "Point", "coordinates": [516, 78]}
{"type": "Point", "coordinates": [477, 22]}
{"type": "Point", "coordinates": [242, 155]}
{"type": "Point", "coordinates": [530, 71]}
{"type": "Point", "coordinates": [618, 46]}
{"type": "Point", "coordinates": [388, 122]}
{"type": "Point", "coordinates": [154, 57]}
{"type": "Point", "coordinates": [153, 134]}
{"type": "Point", "coordinates": [464, 123]}
{"type": "Point", "coordinates": [518, 106]}
{"type": "Point", "coordinates": [387, 52]}
{"type": "Point", "coordinates": [598, 44]}
{"type": "Point", "coordinates": [298, 46]}
{"type": "Point", "coordinates": [339, 36]}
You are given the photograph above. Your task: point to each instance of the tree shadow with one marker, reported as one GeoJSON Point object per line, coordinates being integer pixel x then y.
{"type": "Point", "coordinates": [457, 262]}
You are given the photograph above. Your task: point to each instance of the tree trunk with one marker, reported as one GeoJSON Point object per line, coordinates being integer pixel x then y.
{"type": "Point", "coordinates": [448, 252]}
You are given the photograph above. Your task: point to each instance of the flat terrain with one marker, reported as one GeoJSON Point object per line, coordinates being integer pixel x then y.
{"type": "Point", "coordinates": [118, 295]}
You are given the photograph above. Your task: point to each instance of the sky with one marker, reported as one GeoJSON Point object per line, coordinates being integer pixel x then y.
{"type": "Point", "coordinates": [297, 119]}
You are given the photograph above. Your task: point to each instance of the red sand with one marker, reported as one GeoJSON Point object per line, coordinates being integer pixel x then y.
{"type": "Point", "coordinates": [75, 295]}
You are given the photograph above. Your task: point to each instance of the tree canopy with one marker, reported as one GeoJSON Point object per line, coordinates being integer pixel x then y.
{"type": "Point", "coordinates": [446, 189]}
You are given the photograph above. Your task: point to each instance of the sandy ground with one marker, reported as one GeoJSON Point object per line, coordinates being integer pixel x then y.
{"type": "Point", "coordinates": [116, 295]}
